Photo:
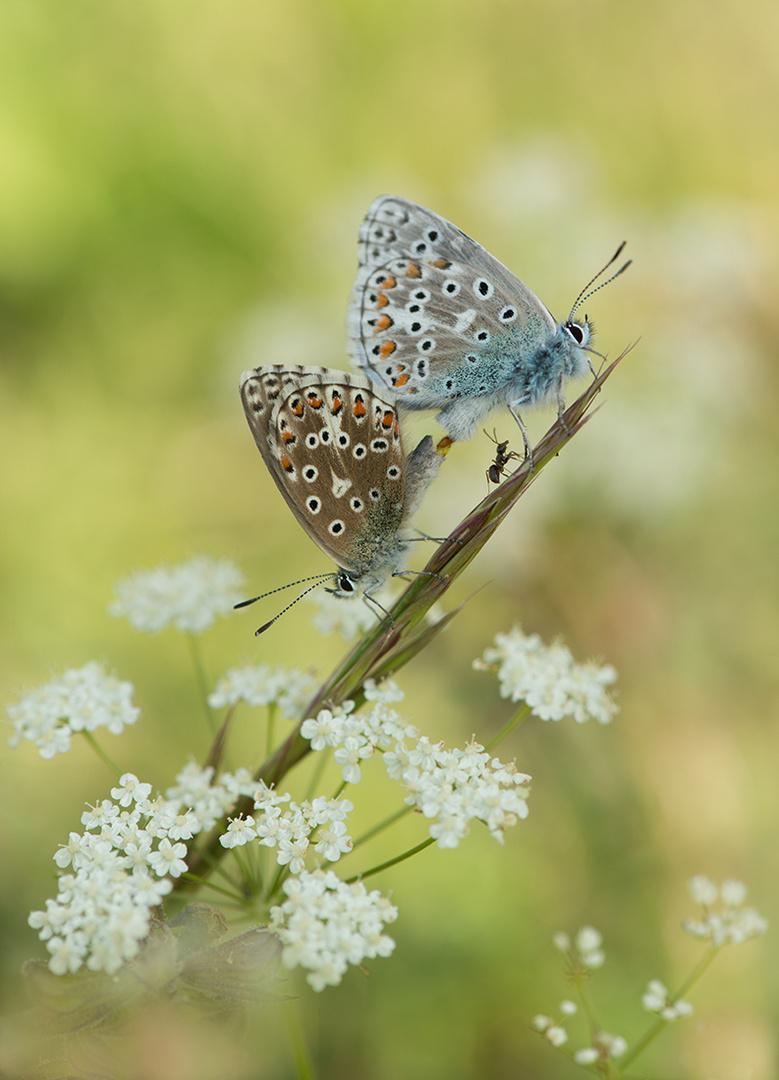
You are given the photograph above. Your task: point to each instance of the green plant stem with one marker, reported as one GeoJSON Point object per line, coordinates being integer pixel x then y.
{"type": "Point", "coordinates": [230, 894]}
{"type": "Point", "coordinates": [303, 1061]}
{"type": "Point", "coordinates": [272, 708]}
{"type": "Point", "coordinates": [661, 1024]}
{"type": "Point", "coordinates": [514, 722]}
{"type": "Point", "coordinates": [391, 862]}
{"type": "Point", "coordinates": [382, 825]}
{"type": "Point", "coordinates": [90, 738]}
{"type": "Point", "coordinates": [202, 680]}
{"type": "Point", "coordinates": [316, 776]}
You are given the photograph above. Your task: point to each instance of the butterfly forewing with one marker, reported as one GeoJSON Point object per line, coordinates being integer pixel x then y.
{"type": "Point", "coordinates": [332, 444]}
{"type": "Point", "coordinates": [433, 315]}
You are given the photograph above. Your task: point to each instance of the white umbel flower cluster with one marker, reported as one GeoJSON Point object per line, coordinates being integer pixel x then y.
{"type": "Point", "coordinates": [450, 787]}
{"type": "Point", "coordinates": [548, 680]}
{"type": "Point", "coordinates": [658, 1000]}
{"type": "Point", "coordinates": [586, 948]}
{"type": "Point", "coordinates": [123, 864]}
{"type": "Point", "coordinates": [291, 690]}
{"type": "Point", "coordinates": [325, 925]}
{"type": "Point", "coordinates": [733, 923]}
{"type": "Point", "coordinates": [83, 699]}
{"type": "Point", "coordinates": [290, 830]}
{"type": "Point", "coordinates": [190, 596]}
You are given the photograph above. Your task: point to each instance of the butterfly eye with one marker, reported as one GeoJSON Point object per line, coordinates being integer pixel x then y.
{"type": "Point", "coordinates": [578, 333]}
{"type": "Point", "coordinates": [344, 583]}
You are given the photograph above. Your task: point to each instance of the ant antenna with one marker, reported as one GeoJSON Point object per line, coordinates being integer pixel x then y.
{"type": "Point", "coordinates": [585, 295]}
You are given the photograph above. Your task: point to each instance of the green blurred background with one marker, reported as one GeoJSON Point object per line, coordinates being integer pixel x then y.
{"type": "Point", "coordinates": [181, 186]}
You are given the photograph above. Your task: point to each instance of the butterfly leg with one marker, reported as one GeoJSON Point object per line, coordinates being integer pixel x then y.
{"type": "Point", "coordinates": [523, 429]}
{"type": "Point", "coordinates": [561, 407]}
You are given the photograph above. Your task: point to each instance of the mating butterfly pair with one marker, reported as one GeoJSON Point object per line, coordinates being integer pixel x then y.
{"type": "Point", "coordinates": [435, 322]}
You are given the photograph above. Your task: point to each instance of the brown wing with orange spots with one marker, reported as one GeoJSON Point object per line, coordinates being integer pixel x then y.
{"type": "Point", "coordinates": [332, 444]}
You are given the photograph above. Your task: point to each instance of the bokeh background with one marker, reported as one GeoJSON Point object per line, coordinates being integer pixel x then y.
{"type": "Point", "coordinates": [181, 185]}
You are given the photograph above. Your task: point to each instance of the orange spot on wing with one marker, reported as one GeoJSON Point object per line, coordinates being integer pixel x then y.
{"type": "Point", "coordinates": [401, 379]}
{"type": "Point", "coordinates": [441, 264]}
{"type": "Point", "coordinates": [288, 437]}
{"type": "Point", "coordinates": [297, 407]}
{"type": "Point", "coordinates": [388, 283]}
{"type": "Point", "coordinates": [386, 420]}
{"type": "Point", "coordinates": [286, 464]}
{"type": "Point", "coordinates": [414, 270]}
{"type": "Point", "coordinates": [359, 407]}
{"type": "Point", "coordinates": [396, 430]}
{"type": "Point", "coordinates": [381, 300]}
{"type": "Point", "coordinates": [382, 323]}
{"type": "Point", "coordinates": [387, 349]}
{"type": "Point", "coordinates": [336, 405]}
{"type": "Point", "coordinates": [314, 400]}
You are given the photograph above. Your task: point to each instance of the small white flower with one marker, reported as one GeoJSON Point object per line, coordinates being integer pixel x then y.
{"type": "Point", "coordinates": [83, 699]}
{"type": "Point", "coordinates": [588, 939]}
{"type": "Point", "coordinates": [588, 1055]}
{"type": "Point", "coordinates": [614, 1045]}
{"type": "Point", "coordinates": [703, 890]}
{"type": "Point", "coordinates": [541, 1022]}
{"type": "Point", "coordinates": [655, 997]}
{"type": "Point", "coordinates": [292, 853]}
{"type": "Point", "coordinates": [556, 1035]}
{"type": "Point", "coordinates": [168, 859]}
{"type": "Point", "coordinates": [568, 1008]}
{"type": "Point", "coordinates": [561, 941]}
{"type": "Point", "coordinates": [190, 596]}
{"type": "Point", "coordinates": [326, 730]}
{"type": "Point", "coordinates": [334, 841]}
{"type": "Point", "coordinates": [240, 831]}
{"type": "Point", "coordinates": [733, 893]}
{"type": "Point", "coordinates": [130, 790]}
{"type": "Point", "coordinates": [548, 680]}
{"type": "Point", "coordinates": [355, 749]}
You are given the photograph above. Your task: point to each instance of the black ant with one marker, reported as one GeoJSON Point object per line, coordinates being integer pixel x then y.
{"type": "Point", "coordinates": [496, 469]}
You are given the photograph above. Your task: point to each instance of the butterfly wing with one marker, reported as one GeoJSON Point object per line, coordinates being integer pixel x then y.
{"type": "Point", "coordinates": [332, 444]}
{"type": "Point", "coordinates": [432, 314]}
